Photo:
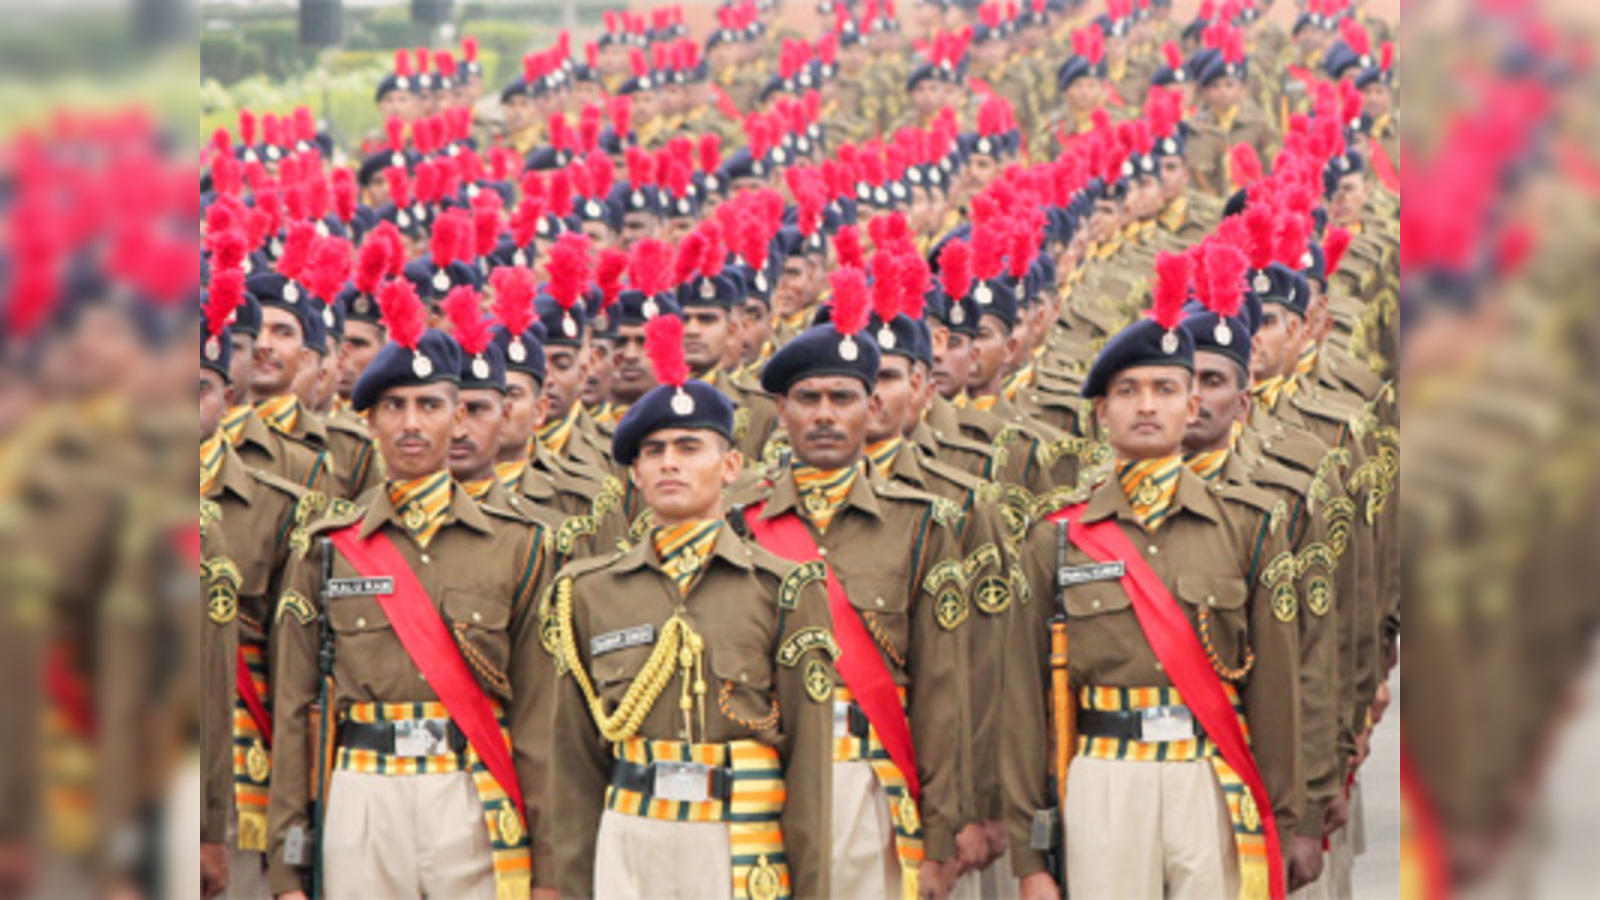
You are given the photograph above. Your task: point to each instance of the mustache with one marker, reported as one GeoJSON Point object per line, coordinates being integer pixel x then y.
{"type": "Point", "coordinates": [824, 432]}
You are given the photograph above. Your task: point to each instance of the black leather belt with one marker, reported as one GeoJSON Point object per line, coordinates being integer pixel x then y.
{"type": "Point", "coordinates": [380, 736]}
{"type": "Point", "coordinates": [641, 779]}
{"type": "Point", "coordinates": [1127, 724]}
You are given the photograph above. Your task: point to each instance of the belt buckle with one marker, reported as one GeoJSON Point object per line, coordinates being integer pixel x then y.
{"type": "Point", "coordinates": [421, 737]}
{"type": "Point", "coordinates": [682, 781]}
{"type": "Point", "coordinates": [1159, 724]}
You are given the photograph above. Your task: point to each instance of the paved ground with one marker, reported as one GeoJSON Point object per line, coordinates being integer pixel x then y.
{"type": "Point", "coordinates": [1377, 872]}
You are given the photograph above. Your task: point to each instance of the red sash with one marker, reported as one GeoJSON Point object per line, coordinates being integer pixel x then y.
{"type": "Point", "coordinates": [1169, 634]}
{"type": "Point", "coordinates": [859, 664]}
{"type": "Point", "coordinates": [420, 630]}
{"type": "Point", "coordinates": [1383, 166]}
{"type": "Point", "coordinates": [245, 684]}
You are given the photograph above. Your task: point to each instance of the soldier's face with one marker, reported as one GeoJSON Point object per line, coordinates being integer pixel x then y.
{"type": "Point", "coordinates": [475, 443]}
{"type": "Point", "coordinates": [1348, 199]}
{"type": "Point", "coordinates": [519, 113]}
{"type": "Point", "coordinates": [1220, 388]}
{"type": "Point", "coordinates": [926, 97]}
{"type": "Point", "coordinates": [899, 390]}
{"type": "Point", "coordinates": [401, 104]}
{"type": "Point", "coordinates": [1377, 99]}
{"type": "Point", "coordinates": [636, 226]}
{"type": "Point", "coordinates": [243, 362]}
{"type": "Point", "coordinates": [826, 419]}
{"type": "Point", "coordinates": [526, 407]}
{"type": "Point", "coordinates": [412, 426]}
{"type": "Point", "coordinates": [280, 353]}
{"type": "Point", "coordinates": [755, 329]}
{"type": "Point", "coordinates": [1174, 178]}
{"type": "Point", "coordinates": [215, 398]}
{"type": "Point", "coordinates": [1085, 92]}
{"type": "Point", "coordinates": [952, 364]}
{"type": "Point", "coordinates": [597, 380]}
{"type": "Point", "coordinates": [1144, 197]}
{"type": "Point", "coordinates": [566, 369]}
{"type": "Point", "coordinates": [992, 349]}
{"type": "Point", "coordinates": [1223, 93]}
{"type": "Point", "coordinates": [1146, 409]}
{"type": "Point", "coordinates": [792, 286]}
{"type": "Point", "coordinates": [631, 374]}
{"type": "Point", "coordinates": [361, 343]}
{"type": "Point", "coordinates": [1104, 219]}
{"type": "Point", "coordinates": [705, 337]}
{"type": "Point", "coordinates": [1276, 344]}
{"type": "Point", "coordinates": [682, 473]}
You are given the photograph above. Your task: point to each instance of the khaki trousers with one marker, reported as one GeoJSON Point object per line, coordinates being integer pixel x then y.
{"type": "Point", "coordinates": [637, 858]}
{"type": "Point", "coordinates": [864, 860]}
{"type": "Point", "coordinates": [1148, 829]}
{"type": "Point", "coordinates": [247, 869]}
{"type": "Point", "coordinates": [405, 836]}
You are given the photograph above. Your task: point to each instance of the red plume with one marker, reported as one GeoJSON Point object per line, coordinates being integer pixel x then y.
{"type": "Point", "coordinates": [1334, 244]}
{"type": "Point", "coordinates": [228, 248]}
{"type": "Point", "coordinates": [1262, 227]}
{"type": "Point", "coordinates": [613, 264]}
{"type": "Point", "coordinates": [912, 273]}
{"type": "Point", "coordinates": [1292, 241]}
{"type": "Point", "coordinates": [1225, 268]}
{"type": "Point", "coordinates": [296, 249]}
{"type": "Point", "coordinates": [988, 250]}
{"type": "Point", "coordinates": [622, 115]}
{"type": "Point", "coordinates": [1355, 36]}
{"type": "Point", "coordinates": [399, 186]}
{"type": "Point", "coordinates": [649, 267]}
{"type": "Point", "coordinates": [690, 253]}
{"type": "Point", "coordinates": [247, 128]}
{"type": "Point", "coordinates": [955, 269]}
{"type": "Point", "coordinates": [663, 346]}
{"type": "Point", "coordinates": [1173, 271]}
{"type": "Point", "coordinates": [402, 312]}
{"type": "Point", "coordinates": [371, 264]}
{"type": "Point", "coordinates": [469, 48]}
{"type": "Point", "coordinates": [847, 244]}
{"type": "Point", "coordinates": [444, 247]}
{"type": "Point", "coordinates": [1386, 55]}
{"type": "Point", "coordinates": [327, 267]}
{"type": "Point", "coordinates": [513, 297]}
{"type": "Point", "coordinates": [560, 193]}
{"type": "Point", "coordinates": [849, 299]}
{"type": "Point", "coordinates": [1023, 246]}
{"type": "Point", "coordinates": [1173, 54]}
{"type": "Point", "coordinates": [1245, 164]}
{"type": "Point", "coordinates": [389, 234]}
{"type": "Point", "coordinates": [600, 174]}
{"type": "Point", "coordinates": [710, 150]}
{"type": "Point", "coordinates": [568, 269]}
{"type": "Point", "coordinates": [468, 325]}
{"type": "Point", "coordinates": [886, 286]}
{"type": "Point", "coordinates": [225, 294]}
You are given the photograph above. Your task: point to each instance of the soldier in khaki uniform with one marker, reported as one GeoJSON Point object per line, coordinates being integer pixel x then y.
{"type": "Point", "coordinates": [694, 709]}
{"type": "Point", "coordinates": [260, 446]}
{"type": "Point", "coordinates": [1107, 560]}
{"type": "Point", "coordinates": [1226, 118]}
{"type": "Point", "coordinates": [903, 805]}
{"type": "Point", "coordinates": [256, 512]}
{"type": "Point", "coordinates": [417, 707]}
{"type": "Point", "coordinates": [707, 303]}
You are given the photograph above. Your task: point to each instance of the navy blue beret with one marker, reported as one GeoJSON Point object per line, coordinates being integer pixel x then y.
{"type": "Point", "coordinates": [1143, 343]}
{"type": "Point", "coordinates": [821, 350]}
{"type": "Point", "coordinates": [436, 358]}
{"type": "Point", "coordinates": [695, 405]}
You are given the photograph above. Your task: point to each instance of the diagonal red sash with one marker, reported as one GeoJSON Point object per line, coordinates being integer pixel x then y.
{"type": "Point", "coordinates": [1169, 634]}
{"type": "Point", "coordinates": [428, 643]}
{"type": "Point", "coordinates": [245, 684]}
{"type": "Point", "coordinates": [859, 664]}
{"type": "Point", "coordinates": [1383, 166]}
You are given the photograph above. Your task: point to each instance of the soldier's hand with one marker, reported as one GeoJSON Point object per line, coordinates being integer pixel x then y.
{"type": "Point", "coordinates": [1305, 861]}
{"type": "Point", "coordinates": [999, 840]}
{"type": "Point", "coordinates": [293, 895]}
{"type": "Point", "coordinates": [213, 870]}
{"type": "Point", "coordinates": [935, 878]}
{"type": "Point", "coordinates": [972, 849]}
{"type": "Point", "coordinates": [17, 865]}
{"type": "Point", "coordinates": [545, 894]}
{"type": "Point", "coordinates": [1380, 702]}
{"type": "Point", "coordinates": [1336, 814]}
{"type": "Point", "coordinates": [1038, 886]}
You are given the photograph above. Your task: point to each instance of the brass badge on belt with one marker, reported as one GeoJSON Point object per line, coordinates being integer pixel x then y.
{"type": "Point", "coordinates": [257, 764]}
{"type": "Point", "coordinates": [510, 824]}
{"type": "Point", "coordinates": [764, 882]}
{"type": "Point", "coordinates": [1248, 814]}
{"type": "Point", "coordinates": [910, 820]}
{"type": "Point", "coordinates": [819, 683]}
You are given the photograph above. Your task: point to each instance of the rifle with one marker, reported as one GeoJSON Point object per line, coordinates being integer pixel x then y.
{"type": "Point", "coordinates": [1063, 713]}
{"type": "Point", "coordinates": [322, 712]}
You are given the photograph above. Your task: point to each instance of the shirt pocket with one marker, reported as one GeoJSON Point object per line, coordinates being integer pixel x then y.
{"type": "Point", "coordinates": [1095, 598]}
{"type": "Point", "coordinates": [1217, 606]}
{"type": "Point", "coordinates": [479, 625]}
{"type": "Point", "coordinates": [614, 670]}
{"type": "Point", "coordinates": [880, 599]}
{"type": "Point", "coordinates": [353, 617]}
{"type": "Point", "coordinates": [743, 686]}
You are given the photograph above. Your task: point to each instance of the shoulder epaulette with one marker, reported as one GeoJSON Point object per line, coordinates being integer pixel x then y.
{"type": "Point", "coordinates": [1275, 508]}
{"type": "Point", "coordinates": [1058, 498]}
{"type": "Point", "coordinates": [279, 483]}
{"type": "Point", "coordinates": [315, 513]}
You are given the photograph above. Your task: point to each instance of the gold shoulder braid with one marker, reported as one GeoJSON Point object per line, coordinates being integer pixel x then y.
{"type": "Point", "coordinates": [679, 644]}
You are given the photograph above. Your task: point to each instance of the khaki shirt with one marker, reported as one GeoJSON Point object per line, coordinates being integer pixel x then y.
{"type": "Point", "coordinates": [747, 605]}
{"type": "Point", "coordinates": [1220, 557]}
{"type": "Point", "coordinates": [262, 448]}
{"type": "Point", "coordinates": [482, 571]}
{"type": "Point", "coordinates": [219, 643]}
{"type": "Point", "coordinates": [896, 551]}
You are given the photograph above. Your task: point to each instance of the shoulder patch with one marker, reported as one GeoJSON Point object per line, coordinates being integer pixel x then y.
{"type": "Point", "coordinates": [573, 529]}
{"type": "Point", "coordinates": [797, 579]}
{"type": "Point", "coordinates": [1058, 498]}
{"type": "Point", "coordinates": [1315, 554]}
{"type": "Point", "coordinates": [1282, 568]}
{"type": "Point", "coordinates": [811, 638]}
{"type": "Point", "coordinates": [947, 512]}
{"type": "Point", "coordinates": [293, 603]}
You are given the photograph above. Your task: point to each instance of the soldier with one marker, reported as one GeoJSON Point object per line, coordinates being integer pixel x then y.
{"type": "Point", "coordinates": [742, 789]}
{"type": "Point", "coordinates": [707, 301]}
{"type": "Point", "coordinates": [1178, 602]}
{"type": "Point", "coordinates": [259, 446]}
{"type": "Point", "coordinates": [421, 600]}
{"type": "Point", "coordinates": [901, 792]}
{"type": "Point", "coordinates": [1226, 118]}
{"type": "Point", "coordinates": [632, 375]}
{"type": "Point", "coordinates": [254, 514]}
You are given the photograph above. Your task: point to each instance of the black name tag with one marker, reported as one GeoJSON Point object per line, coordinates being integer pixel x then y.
{"type": "Point", "coordinates": [623, 639]}
{"type": "Point", "coordinates": [1067, 576]}
{"type": "Point", "coordinates": [360, 587]}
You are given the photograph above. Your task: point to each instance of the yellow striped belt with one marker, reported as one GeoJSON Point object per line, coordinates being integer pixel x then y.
{"type": "Point", "coordinates": [1125, 699]}
{"type": "Point", "coordinates": [755, 796]}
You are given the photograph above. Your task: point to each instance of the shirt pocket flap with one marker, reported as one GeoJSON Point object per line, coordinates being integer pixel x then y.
{"type": "Point", "coordinates": [472, 608]}
{"type": "Point", "coordinates": [353, 615]}
{"type": "Point", "coordinates": [1094, 598]}
{"type": "Point", "coordinates": [1214, 591]}
{"type": "Point", "coordinates": [742, 667]}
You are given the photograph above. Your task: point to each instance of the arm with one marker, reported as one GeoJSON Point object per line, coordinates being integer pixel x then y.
{"type": "Point", "coordinates": [807, 751]}
{"type": "Point", "coordinates": [578, 761]}
{"type": "Point", "coordinates": [938, 668]}
{"type": "Point", "coordinates": [533, 675]}
{"type": "Point", "coordinates": [294, 647]}
{"type": "Point", "coordinates": [1024, 766]}
{"type": "Point", "coordinates": [1272, 695]}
